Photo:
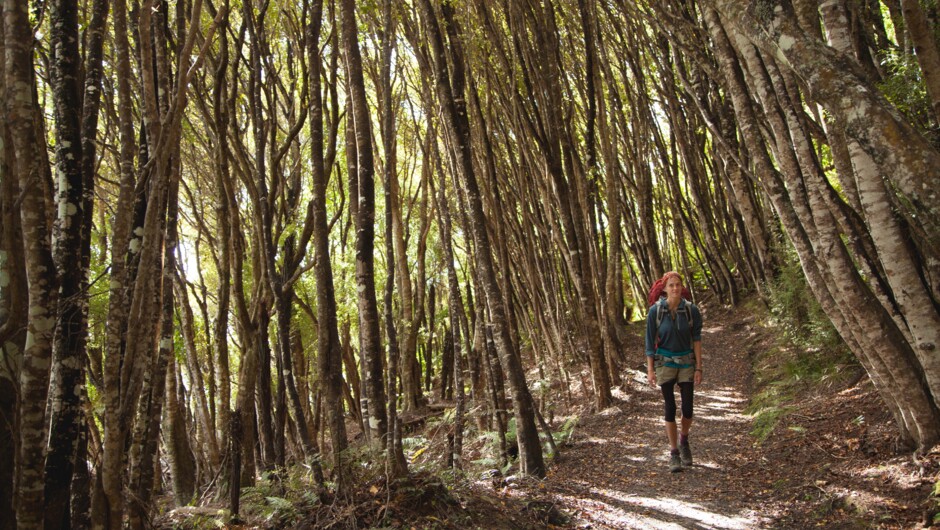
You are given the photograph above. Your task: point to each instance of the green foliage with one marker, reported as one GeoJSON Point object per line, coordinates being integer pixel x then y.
{"type": "Point", "coordinates": [796, 310]}
{"type": "Point", "coordinates": [935, 497]}
{"type": "Point", "coordinates": [783, 374]}
{"type": "Point", "coordinates": [764, 421]}
{"type": "Point", "coordinates": [279, 499]}
{"type": "Point", "coordinates": [203, 522]}
{"type": "Point", "coordinates": [809, 352]}
{"type": "Point", "coordinates": [562, 435]}
{"type": "Point", "coordinates": [904, 87]}
{"type": "Point", "coordinates": [492, 448]}
{"type": "Point", "coordinates": [511, 432]}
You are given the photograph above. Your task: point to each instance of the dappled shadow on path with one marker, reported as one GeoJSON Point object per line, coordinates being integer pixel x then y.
{"type": "Point", "coordinates": [615, 473]}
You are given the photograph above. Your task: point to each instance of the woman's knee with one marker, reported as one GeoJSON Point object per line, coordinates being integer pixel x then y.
{"type": "Point", "coordinates": [670, 412]}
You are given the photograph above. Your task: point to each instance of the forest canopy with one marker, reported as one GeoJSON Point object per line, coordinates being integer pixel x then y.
{"type": "Point", "coordinates": [238, 235]}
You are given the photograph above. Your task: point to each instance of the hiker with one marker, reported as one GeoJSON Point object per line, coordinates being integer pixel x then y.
{"type": "Point", "coordinates": [674, 356]}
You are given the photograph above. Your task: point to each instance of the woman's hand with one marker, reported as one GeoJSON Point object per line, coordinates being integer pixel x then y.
{"type": "Point", "coordinates": [651, 377]}
{"type": "Point", "coordinates": [697, 379]}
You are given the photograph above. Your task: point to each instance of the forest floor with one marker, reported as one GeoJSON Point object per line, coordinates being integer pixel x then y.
{"type": "Point", "coordinates": [829, 462]}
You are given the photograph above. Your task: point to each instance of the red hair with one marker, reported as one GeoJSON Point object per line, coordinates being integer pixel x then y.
{"type": "Point", "coordinates": [670, 274]}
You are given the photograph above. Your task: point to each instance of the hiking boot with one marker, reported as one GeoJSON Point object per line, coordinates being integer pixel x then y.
{"type": "Point", "coordinates": [685, 453]}
{"type": "Point", "coordinates": [675, 463]}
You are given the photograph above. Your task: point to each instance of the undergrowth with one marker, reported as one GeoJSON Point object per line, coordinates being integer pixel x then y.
{"type": "Point", "coordinates": [807, 356]}
{"type": "Point", "coordinates": [433, 495]}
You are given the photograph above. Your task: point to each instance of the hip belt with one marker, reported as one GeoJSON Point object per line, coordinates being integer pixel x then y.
{"type": "Point", "coordinates": [664, 357]}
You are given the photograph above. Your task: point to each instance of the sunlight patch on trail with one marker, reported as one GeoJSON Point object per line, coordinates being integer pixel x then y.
{"type": "Point", "coordinates": [699, 516]}
{"type": "Point", "coordinates": [705, 518]}
{"type": "Point", "coordinates": [720, 405]}
{"type": "Point", "coordinates": [725, 396]}
{"type": "Point", "coordinates": [614, 508]}
{"type": "Point", "coordinates": [723, 416]}
{"type": "Point", "coordinates": [593, 440]}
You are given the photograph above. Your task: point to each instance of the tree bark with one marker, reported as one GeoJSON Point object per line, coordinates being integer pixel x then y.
{"type": "Point", "coordinates": [329, 349]}
{"type": "Point", "coordinates": [14, 305]}
{"type": "Point", "coordinates": [223, 178]}
{"type": "Point", "coordinates": [900, 153]}
{"type": "Point", "coordinates": [369, 339]}
{"type": "Point", "coordinates": [194, 365]}
{"type": "Point", "coordinates": [925, 49]}
{"type": "Point", "coordinates": [68, 347]}
{"type": "Point", "coordinates": [178, 449]}
{"type": "Point", "coordinates": [110, 494]}
{"type": "Point", "coordinates": [397, 467]}
{"type": "Point", "coordinates": [455, 118]}
{"type": "Point", "coordinates": [33, 378]}
{"type": "Point", "coordinates": [824, 257]}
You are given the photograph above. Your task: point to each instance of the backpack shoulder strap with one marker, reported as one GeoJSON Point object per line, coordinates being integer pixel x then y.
{"type": "Point", "coordinates": [684, 308]}
{"type": "Point", "coordinates": [687, 307]}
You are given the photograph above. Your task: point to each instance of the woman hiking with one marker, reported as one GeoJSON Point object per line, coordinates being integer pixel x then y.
{"type": "Point", "coordinates": [674, 356]}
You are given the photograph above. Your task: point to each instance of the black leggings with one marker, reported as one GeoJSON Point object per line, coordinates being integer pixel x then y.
{"type": "Point", "coordinates": [669, 396]}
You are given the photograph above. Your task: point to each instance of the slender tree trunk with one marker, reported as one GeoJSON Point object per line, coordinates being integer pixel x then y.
{"type": "Point", "coordinates": [925, 49]}
{"type": "Point", "coordinates": [178, 450]}
{"type": "Point", "coordinates": [455, 308]}
{"type": "Point", "coordinates": [369, 339]}
{"type": "Point", "coordinates": [397, 467]}
{"type": "Point", "coordinates": [144, 449]}
{"type": "Point", "coordinates": [307, 440]}
{"type": "Point", "coordinates": [220, 329]}
{"type": "Point", "coordinates": [409, 366]}
{"type": "Point", "coordinates": [455, 119]}
{"type": "Point", "coordinates": [193, 364]}
{"type": "Point", "coordinates": [95, 33]}
{"type": "Point", "coordinates": [110, 495]}
{"type": "Point", "coordinates": [42, 288]}
{"type": "Point", "coordinates": [264, 407]}
{"type": "Point", "coordinates": [14, 306]}
{"type": "Point", "coordinates": [68, 348]}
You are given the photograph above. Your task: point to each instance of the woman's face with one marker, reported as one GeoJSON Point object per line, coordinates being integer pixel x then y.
{"type": "Point", "coordinates": [674, 288]}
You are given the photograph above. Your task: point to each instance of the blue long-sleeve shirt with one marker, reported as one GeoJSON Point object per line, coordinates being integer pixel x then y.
{"type": "Point", "coordinates": [674, 335]}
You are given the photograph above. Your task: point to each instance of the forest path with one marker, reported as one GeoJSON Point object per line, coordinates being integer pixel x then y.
{"type": "Point", "coordinates": [615, 473]}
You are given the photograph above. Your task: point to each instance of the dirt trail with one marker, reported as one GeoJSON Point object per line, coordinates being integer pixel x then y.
{"type": "Point", "coordinates": [615, 474]}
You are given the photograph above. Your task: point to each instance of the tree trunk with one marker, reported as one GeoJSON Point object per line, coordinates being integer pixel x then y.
{"type": "Point", "coordinates": [264, 406]}
{"type": "Point", "coordinates": [110, 495]}
{"type": "Point", "coordinates": [926, 51]}
{"type": "Point", "coordinates": [395, 457]}
{"type": "Point", "coordinates": [329, 349]}
{"type": "Point", "coordinates": [68, 348]}
{"type": "Point", "coordinates": [14, 305]}
{"type": "Point", "coordinates": [369, 339]}
{"type": "Point", "coordinates": [221, 155]}
{"type": "Point", "coordinates": [193, 364]}
{"type": "Point", "coordinates": [899, 152]}
{"type": "Point", "coordinates": [40, 268]}
{"type": "Point", "coordinates": [178, 450]}
{"type": "Point", "coordinates": [455, 308]}
{"type": "Point", "coordinates": [455, 118]}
